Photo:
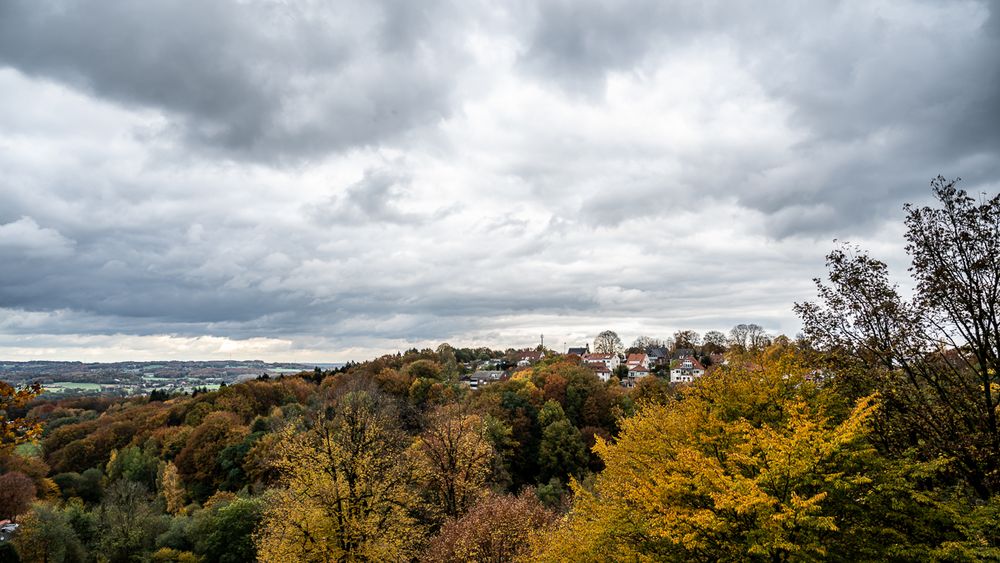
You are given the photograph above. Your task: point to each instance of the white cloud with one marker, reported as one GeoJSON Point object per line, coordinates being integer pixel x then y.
{"type": "Point", "coordinates": [27, 238]}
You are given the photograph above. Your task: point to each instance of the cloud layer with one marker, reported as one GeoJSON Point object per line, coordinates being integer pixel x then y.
{"type": "Point", "coordinates": [327, 181]}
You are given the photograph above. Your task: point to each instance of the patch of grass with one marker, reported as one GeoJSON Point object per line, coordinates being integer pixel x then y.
{"type": "Point", "coordinates": [29, 449]}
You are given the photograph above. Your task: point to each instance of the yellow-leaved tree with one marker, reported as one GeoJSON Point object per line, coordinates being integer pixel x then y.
{"type": "Point", "coordinates": [753, 462]}
{"type": "Point", "coordinates": [347, 492]}
{"type": "Point", "coordinates": [172, 488]}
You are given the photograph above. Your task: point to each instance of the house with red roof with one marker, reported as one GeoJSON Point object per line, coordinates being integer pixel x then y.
{"type": "Point", "coordinates": [610, 361]}
{"type": "Point", "coordinates": [634, 360]}
{"type": "Point", "coordinates": [635, 373]}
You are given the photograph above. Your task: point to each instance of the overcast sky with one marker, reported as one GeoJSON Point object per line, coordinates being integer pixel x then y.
{"type": "Point", "coordinates": [324, 181]}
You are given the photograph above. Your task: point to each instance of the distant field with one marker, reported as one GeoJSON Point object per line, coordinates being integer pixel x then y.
{"type": "Point", "coordinates": [72, 385]}
{"type": "Point", "coordinates": [29, 450]}
{"type": "Point", "coordinates": [209, 386]}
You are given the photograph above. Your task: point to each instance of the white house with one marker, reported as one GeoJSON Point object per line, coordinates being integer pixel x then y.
{"type": "Point", "coordinates": [601, 371]}
{"type": "Point", "coordinates": [610, 361]}
{"type": "Point", "coordinates": [686, 371]}
{"type": "Point", "coordinates": [528, 357]}
{"type": "Point", "coordinates": [483, 378]}
{"type": "Point", "coordinates": [634, 374]}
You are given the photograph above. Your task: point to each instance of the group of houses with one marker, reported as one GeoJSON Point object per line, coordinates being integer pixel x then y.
{"type": "Point", "coordinates": [682, 365]}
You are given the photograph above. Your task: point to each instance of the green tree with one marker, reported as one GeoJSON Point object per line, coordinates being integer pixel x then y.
{"type": "Point", "coordinates": [135, 464]}
{"type": "Point", "coordinates": [449, 362]}
{"type": "Point", "coordinates": [87, 487]}
{"type": "Point", "coordinates": [46, 535]}
{"type": "Point", "coordinates": [585, 399]}
{"type": "Point", "coordinates": [83, 522]}
{"type": "Point", "coordinates": [231, 460]}
{"type": "Point", "coordinates": [177, 535]}
{"type": "Point", "coordinates": [224, 531]}
{"type": "Point", "coordinates": [562, 451]}
{"type": "Point", "coordinates": [515, 404]}
{"type": "Point", "coordinates": [169, 555]}
{"type": "Point", "coordinates": [128, 522]}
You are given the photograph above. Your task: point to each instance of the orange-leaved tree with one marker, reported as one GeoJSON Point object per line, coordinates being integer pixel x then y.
{"type": "Point", "coordinates": [16, 430]}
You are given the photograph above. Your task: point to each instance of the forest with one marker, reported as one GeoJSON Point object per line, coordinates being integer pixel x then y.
{"type": "Point", "coordinates": [872, 435]}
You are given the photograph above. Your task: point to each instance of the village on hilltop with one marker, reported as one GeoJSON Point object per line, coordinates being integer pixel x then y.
{"type": "Point", "coordinates": [680, 360]}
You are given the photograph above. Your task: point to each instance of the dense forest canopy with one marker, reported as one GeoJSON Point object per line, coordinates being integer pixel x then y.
{"type": "Point", "coordinates": [871, 436]}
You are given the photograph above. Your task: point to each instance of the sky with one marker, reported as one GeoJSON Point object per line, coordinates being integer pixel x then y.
{"type": "Point", "coordinates": [333, 180]}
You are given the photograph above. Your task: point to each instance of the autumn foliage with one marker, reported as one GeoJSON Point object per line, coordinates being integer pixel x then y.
{"type": "Point", "coordinates": [497, 529]}
{"type": "Point", "coordinates": [16, 430]}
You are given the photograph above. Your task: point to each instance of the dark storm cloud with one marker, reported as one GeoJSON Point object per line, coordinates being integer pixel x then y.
{"type": "Point", "coordinates": [578, 42]}
{"type": "Point", "coordinates": [886, 96]}
{"type": "Point", "coordinates": [379, 197]}
{"type": "Point", "coordinates": [97, 280]}
{"type": "Point", "coordinates": [253, 79]}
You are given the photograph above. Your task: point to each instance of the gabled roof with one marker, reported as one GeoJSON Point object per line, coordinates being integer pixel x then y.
{"type": "Point", "coordinates": [657, 352]}
{"type": "Point", "coordinates": [681, 353]}
{"type": "Point", "coordinates": [579, 351]}
{"type": "Point", "coordinates": [491, 375]}
{"type": "Point", "coordinates": [695, 364]}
